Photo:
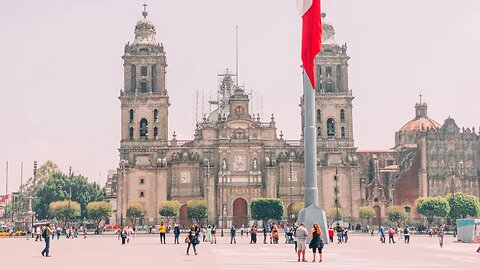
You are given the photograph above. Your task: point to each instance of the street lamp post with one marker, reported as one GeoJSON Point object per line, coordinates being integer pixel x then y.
{"type": "Point", "coordinates": [290, 179]}
{"type": "Point", "coordinates": [335, 177]}
{"type": "Point", "coordinates": [221, 203]}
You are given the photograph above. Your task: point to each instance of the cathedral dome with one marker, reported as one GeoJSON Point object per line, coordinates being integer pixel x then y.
{"type": "Point", "coordinates": [145, 31]}
{"type": "Point", "coordinates": [421, 120]}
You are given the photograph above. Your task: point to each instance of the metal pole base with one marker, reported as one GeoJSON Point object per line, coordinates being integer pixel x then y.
{"type": "Point", "coordinates": [314, 214]}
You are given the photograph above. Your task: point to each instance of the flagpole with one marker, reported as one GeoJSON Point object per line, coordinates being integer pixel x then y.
{"type": "Point", "coordinates": [310, 144]}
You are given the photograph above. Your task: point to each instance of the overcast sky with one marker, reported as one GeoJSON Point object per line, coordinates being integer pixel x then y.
{"type": "Point", "coordinates": [61, 69]}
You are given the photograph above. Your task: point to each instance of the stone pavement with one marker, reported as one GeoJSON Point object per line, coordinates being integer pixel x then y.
{"type": "Point", "coordinates": [145, 252]}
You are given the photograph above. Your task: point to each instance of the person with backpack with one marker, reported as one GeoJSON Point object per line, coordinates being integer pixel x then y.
{"type": "Point", "coordinates": [46, 233]}
{"type": "Point", "coordinates": [406, 234]}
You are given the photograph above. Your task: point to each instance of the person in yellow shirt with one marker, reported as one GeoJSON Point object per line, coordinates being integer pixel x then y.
{"type": "Point", "coordinates": [163, 231]}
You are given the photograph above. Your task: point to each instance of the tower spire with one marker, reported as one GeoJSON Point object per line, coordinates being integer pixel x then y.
{"type": "Point", "coordinates": [145, 13]}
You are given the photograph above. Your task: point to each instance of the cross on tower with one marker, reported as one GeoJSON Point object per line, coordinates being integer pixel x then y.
{"type": "Point", "coordinates": [145, 13]}
{"type": "Point", "coordinates": [420, 98]}
{"type": "Point", "coordinates": [145, 7]}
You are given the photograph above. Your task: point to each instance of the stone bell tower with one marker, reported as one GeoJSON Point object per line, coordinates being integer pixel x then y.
{"type": "Point", "coordinates": [338, 173]}
{"type": "Point", "coordinates": [144, 100]}
{"type": "Point", "coordinates": [144, 123]}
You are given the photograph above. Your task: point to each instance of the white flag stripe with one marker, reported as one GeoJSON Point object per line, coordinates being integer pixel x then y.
{"type": "Point", "coordinates": [303, 6]}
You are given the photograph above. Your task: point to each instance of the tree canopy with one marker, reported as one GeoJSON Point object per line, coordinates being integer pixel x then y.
{"type": "Point", "coordinates": [463, 205]}
{"type": "Point", "coordinates": [99, 211]}
{"type": "Point", "coordinates": [134, 211]}
{"type": "Point", "coordinates": [64, 210]}
{"type": "Point", "coordinates": [333, 215]}
{"type": "Point", "coordinates": [396, 214]}
{"type": "Point", "coordinates": [168, 209]}
{"type": "Point", "coordinates": [366, 212]}
{"type": "Point", "coordinates": [267, 208]}
{"type": "Point", "coordinates": [431, 207]}
{"type": "Point", "coordinates": [197, 209]}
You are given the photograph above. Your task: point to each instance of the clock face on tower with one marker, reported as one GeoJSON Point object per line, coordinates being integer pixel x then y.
{"type": "Point", "coordinates": [239, 110]}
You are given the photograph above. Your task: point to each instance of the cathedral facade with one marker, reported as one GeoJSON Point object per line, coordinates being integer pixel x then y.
{"type": "Point", "coordinates": [234, 156]}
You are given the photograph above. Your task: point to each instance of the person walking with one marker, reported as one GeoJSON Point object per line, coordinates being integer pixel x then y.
{"type": "Point", "coordinates": [339, 231]}
{"type": "Point", "coordinates": [406, 234]}
{"type": "Point", "coordinates": [242, 230]}
{"type": "Point", "coordinates": [253, 235]}
{"type": "Point", "coordinates": [275, 234]}
{"type": "Point", "coordinates": [47, 232]}
{"type": "Point", "coordinates": [233, 234]}
{"type": "Point", "coordinates": [331, 233]}
{"type": "Point", "coordinates": [214, 234]}
{"type": "Point", "coordinates": [441, 234]}
{"type": "Point", "coordinates": [301, 236]}
{"type": "Point", "coordinates": [345, 235]}
{"type": "Point", "coordinates": [209, 233]}
{"type": "Point", "coordinates": [176, 233]}
{"type": "Point", "coordinates": [391, 234]}
{"type": "Point", "coordinates": [192, 240]}
{"type": "Point", "coordinates": [316, 243]}
{"type": "Point", "coordinates": [123, 234]}
{"type": "Point", "coordinates": [265, 233]}
{"type": "Point", "coordinates": [59, 231]}
{"type": "Point", "coordinates": [381, 230]}
{"type": "Point", "coordinates": [163, 230]}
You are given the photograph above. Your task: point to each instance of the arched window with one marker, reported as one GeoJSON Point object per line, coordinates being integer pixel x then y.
{"type": "Point", "coordinates": [130, 115]}
{"type": "Point", "coordinates": [143, 128]}
{"type": "Point", "coordinates": [133, 78]}
{"type": "Point", "coordinates": [143, 71]}
{"type": "Point", "coordinates": [154, 78]}
{"type": "Point", "coordinates": [143, 87]}
{"type": "Point", "coordinates": [339, 77]}
{"type": "Point", "coordinates": [330, 127]}
{"type": "Point", "coordinates": [342, 116]}
{"type": "Point", "coordinates": [342, 132]}
{"type": "Point", "coordinates": [155, 115]}
{"type": "Point", "coordinates": [130, 134]}
{"type": "Point", "coordinates": [155, 133]}
{"type": "Point", "coordinates": [329, 86]}
{"type": "Point", "coordinates": [319, 116]}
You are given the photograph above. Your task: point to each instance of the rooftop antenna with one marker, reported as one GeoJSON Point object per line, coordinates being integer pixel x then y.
{"type": "Point", "coordinates": [203, 103]}
{"type": "Point", "coordinates": [236, 54]}
{"type": "Point", "coordinates": [261, 106]}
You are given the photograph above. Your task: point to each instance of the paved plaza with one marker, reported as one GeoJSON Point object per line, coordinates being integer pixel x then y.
{"type": "Point", "coordinates": [145, 252]}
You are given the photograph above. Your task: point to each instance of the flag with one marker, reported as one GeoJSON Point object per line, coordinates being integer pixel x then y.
{"type": "Point", "coordinates": [311, 35]}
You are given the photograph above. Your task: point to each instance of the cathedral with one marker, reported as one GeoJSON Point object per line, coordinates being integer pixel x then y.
{"type": "Point", "coordinates": [235, 156]}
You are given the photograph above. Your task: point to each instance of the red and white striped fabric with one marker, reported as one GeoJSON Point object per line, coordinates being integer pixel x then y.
{"type": "Point", "coordinates": [311, 35]}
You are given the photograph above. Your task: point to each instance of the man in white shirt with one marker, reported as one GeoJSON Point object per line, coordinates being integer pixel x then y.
{"type": "Point", "coordinates": [301, 235]}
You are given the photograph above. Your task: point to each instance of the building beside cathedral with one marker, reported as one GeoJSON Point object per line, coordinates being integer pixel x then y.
{"type": "Point", "coordinates": [235, 156]}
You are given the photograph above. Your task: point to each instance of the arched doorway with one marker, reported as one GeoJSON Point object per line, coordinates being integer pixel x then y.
{"type": "Point", "coordinates": [290, 218]}
{"type": "Point", "coordinates": [183, 220]}
{"type": "Point", "coordinates": [378, 215]}
{"type": "Point", "coordinates": [240, 212]}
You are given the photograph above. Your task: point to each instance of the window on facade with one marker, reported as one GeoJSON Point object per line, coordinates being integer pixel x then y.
{"type": "Point", "coordinates": [133, 78]}
{"type": "Point", "coordinates": [330, 127]}
{"type": "Point", "coordinates": [130, 113]}
{"type": "Point", "coordinates": [143, 87]}
{"type": "Point", "coordinates": [328, 71]}
{"type": "Point", "coordinates": [142, 194]}
{"type": "Point", "coordinates": [339, 76]}
{"type": "Point", "coordinates": [143, 128]}
{"type": "Point", "coordinates": [318, 77]}
{"type": "Point", "coordinates": [319, 116]}
{"type": "Point", "coordinates": [319, 132]}
{"type": "Point", "coordinates": [154, 78]}
{"type": "Point", "coordinates": [329, 86]}
{"type": "Point", "coordinates": [142, 181]}
{"type": "Point", "coordinates": [155, 132]}
{"type": "Point", "coordinates": [155, 115]}
{"type": "Point", "coordinates": [342, 116]}
{"type": "Point", "coordinates": [143, 71]}
{"type": "Point", "coordinates": [342, 132]}
{"type": "Point", "coordinates": [408, 209]}
{"type": "Point", "coordinates": [389, 162]}
{"type": "Point", "coordinates": [130, 134]}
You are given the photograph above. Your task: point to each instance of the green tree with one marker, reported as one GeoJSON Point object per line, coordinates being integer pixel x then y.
{"type": "Point", "coordinates": [366, 212]}
{"type": "Point", "coordinates": [334, 215]}
{"type": "Point", "coordinates": [197, 209]}
{"type": "Point", "coordinates": [267, 208]}
{"type": "Point", "coordinates": [431, 207]}
{"type": "Point", "coordinates": [168, 209]}
{"type": "Point", "coordinates": [99, 211]}
{"type": "Point", "coordinates": [463, 205]}
{"type": "Point", "coordinates": [396, 214]}
{"type": "Point", "coordinates": [64, 210]}
{"type": "Point", "coordinates": [61, 187]}
{"type": "Point", "coordinates": [135, 210]}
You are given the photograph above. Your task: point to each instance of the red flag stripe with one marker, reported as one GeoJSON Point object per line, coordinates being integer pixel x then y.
{"type": "Point", "coordinates": [311, 39]}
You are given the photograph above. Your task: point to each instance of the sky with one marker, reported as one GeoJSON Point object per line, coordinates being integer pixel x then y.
{"type": "Point", "coordinates": [61, 69]}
